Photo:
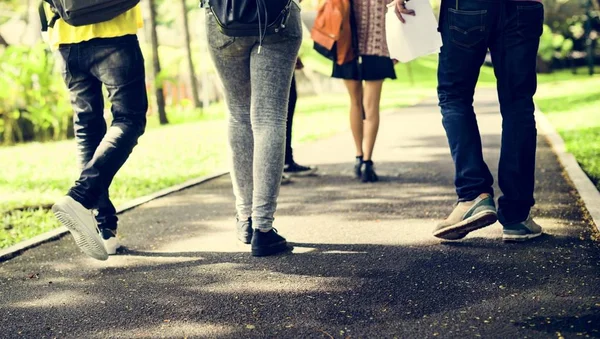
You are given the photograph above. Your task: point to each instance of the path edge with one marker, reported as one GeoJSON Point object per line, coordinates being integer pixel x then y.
{"type": "Point", "coordinates": [586, 189]}
{"type": "Point", "coordinates": [55, 234]}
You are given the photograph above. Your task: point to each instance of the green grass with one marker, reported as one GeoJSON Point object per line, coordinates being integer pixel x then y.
{"type": "Point", "coordinates": [571, 103]}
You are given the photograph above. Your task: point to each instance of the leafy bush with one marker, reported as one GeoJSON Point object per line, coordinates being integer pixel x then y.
{"type": "Point", "coordinates": [33, 100]}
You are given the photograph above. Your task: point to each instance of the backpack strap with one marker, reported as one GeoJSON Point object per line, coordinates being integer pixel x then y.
{"type": "Point", "coordinates": [44, 18]}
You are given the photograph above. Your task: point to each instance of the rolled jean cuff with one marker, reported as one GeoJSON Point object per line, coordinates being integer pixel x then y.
{"type": "Point", "coordinates": [262, 224]}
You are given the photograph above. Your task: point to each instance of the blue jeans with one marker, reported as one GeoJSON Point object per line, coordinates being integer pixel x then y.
{"type": "Point", "coordinates": [118, 64]}
{"type": "Point", "coordinates": [511, 31]}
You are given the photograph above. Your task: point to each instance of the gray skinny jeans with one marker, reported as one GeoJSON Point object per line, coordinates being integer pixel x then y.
{"type": "Point", "coordinates": [257, 88]}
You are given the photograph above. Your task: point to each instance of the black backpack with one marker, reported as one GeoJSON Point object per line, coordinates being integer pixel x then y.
{"type": "Point", "coordinates": [85, 12]}
{"type": "Point", "coordinates": [249, 17]}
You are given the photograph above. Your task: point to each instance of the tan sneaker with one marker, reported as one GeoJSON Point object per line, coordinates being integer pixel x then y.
{"type": "Point", "coordinates": [522, 231]}
{"type": "Point", "coordinates": [467, 217]}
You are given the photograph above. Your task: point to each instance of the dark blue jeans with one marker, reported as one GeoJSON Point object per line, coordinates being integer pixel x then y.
{"type": "Point", "coordinates": [511, 31]}
{"type": "Point", "coordinates": [289, 151]}
{"type": "Point", "coordinates": [118, 64]}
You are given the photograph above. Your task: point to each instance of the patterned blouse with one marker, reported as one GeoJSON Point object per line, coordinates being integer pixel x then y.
{"type": "Point", "coordinates": [370, 26]}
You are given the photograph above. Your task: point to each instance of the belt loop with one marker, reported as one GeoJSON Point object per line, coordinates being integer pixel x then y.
{"type": "Point", "coordinates": [456, 5]}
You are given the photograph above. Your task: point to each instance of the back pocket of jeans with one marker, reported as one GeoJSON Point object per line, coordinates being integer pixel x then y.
{"type": "Point", "coordinates": [467, 28]}
{"type": "Point", "coordinates": [530, 20]}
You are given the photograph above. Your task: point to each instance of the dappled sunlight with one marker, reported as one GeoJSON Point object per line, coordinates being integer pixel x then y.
{"type": "Point", "coordinates": [216, 236]}
{"type": "Point", "coordinates": [556, 227]}
{"type": "Point", "coordinates": [118, 261]}
{"type": "Point", "coordinates": [170, 329]}
{"type": "Point", "coordinates": [257, 283]}
{"type": "Point", "coordinates": [124, 261]}
{"type": "Point", "coordinates": [389, 231]}
{"type": "Point", "coordinates": [58, 299]}
{"type": "Point", "coordinates": [203, 198]}
{"type": "Point", "coordinates": [414, 153]}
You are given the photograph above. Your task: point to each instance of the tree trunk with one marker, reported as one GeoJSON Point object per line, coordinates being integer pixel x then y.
{"type": "Point", "coordinates": [158, 86]}
{"type": "Point", "coordinates": [188, 52]}
{"type": "Point", "coordinates": [3, 42]}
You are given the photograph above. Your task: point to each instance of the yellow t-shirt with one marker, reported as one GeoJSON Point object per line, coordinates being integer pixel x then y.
{"type": "Point", "coordinates": [124, 24]}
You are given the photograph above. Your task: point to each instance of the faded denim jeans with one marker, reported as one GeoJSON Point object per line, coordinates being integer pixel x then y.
{"type": "Point", "coordinates": [511, 31]}
{"type": "Point", "coordinates": [118, 64]}
{"type": "Point", "coordinates": [257, 88]}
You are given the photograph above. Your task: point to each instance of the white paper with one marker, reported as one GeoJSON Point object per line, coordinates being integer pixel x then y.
{"type": "Point", "coordinates": [415, 38]}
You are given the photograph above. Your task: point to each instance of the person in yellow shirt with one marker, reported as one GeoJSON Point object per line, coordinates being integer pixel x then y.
{"type": "Point", "coordinates": [103, 54]}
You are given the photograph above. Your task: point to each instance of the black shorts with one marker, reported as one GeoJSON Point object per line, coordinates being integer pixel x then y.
{"type": "Point", "coordinates": [370, 68]}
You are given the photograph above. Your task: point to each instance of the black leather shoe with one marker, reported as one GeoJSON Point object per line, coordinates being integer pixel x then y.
{"type": "Point", "coordinates": [268, 243]}
{"type": "Point", "coordinates": [244, 230]}
{"type": "Point", "coordinates": [368, 172]}
{"type": "Point", "coordinates": [357, 167]}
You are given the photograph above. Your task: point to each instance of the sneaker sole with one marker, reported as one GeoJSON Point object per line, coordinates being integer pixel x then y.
{"type": "Point", "coordinates": [245, 238]}
{"type": "Point", "coordinates": [308, 173]}
{"type": "Point", "coordinates": [519, 238]}
{"type": "Point", "coordinates": [282, 247]}
{"type": "Point", "coordinates": [88, 242]}
{"type": "Point", "coordinates": [473, 223]}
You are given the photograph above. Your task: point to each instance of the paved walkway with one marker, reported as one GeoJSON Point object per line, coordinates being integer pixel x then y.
{"type": "Point", "coordinates": [365, 263]}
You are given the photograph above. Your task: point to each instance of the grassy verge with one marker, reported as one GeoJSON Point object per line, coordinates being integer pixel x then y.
{"type": "Point", "coordinates": [571, 103]}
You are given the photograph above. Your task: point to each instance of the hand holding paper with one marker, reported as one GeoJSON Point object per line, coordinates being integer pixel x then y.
{"type": "Point", "coordinates": [411, 30]}
{"type": "Point", "coordinates": [400, 6]}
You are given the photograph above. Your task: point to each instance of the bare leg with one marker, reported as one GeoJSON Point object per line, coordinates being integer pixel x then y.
{"type": "Point", "coordinates": [371, 100]}
{"type": "Point", "coordinates": [356, 113]}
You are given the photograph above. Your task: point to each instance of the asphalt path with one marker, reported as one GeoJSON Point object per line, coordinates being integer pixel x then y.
{"type": "Point", "coordinates": [364, 265]}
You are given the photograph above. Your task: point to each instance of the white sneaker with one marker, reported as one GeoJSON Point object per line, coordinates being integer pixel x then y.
{"type": "Point", "coordinates": [111, 241]}
{"type": "Point", "coordinates": [82, 224]}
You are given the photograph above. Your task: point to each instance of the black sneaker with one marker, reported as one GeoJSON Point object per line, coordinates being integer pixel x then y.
{"type": "Point", "coordinates": [358, 166]}
{"type": "Point", "coordinates": [293, 169]}
{"type": "Point", "coordinates": [368, 172]}
{"type": "Point", "coordinates": [244, 230]}
{"type": "Point", "coordinates": [268, 243]}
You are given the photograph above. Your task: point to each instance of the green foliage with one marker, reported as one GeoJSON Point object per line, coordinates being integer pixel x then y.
{"type": "Point", "coordinates": [571, 103]}
{"type": "Point", "coordinates": [33, 104]}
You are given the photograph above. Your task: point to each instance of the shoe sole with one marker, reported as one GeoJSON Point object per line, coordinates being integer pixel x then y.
{"type": "Point", "coordinates": [367, 180]}
{"type": "Point", "coordinates": [245, 238]}
{"type": "Point", "coordinates": [473, 223]}
{"type": "Point", "coordinates": [273, 249]}
{"type": "Point", "coordinates": [519, 238]}
{"type": "Point", "coordinates": [308, 173]}
{"type": "Point", "coordinates": [89, 243]}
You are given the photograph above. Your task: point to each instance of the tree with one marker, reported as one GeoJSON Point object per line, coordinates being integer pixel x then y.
{"type": "Point", "coordinates": [3, 42]}
{"type": "Point", "coordinates": [158, 87]}
{"type": "Point", "coordinates": [188, 52]}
